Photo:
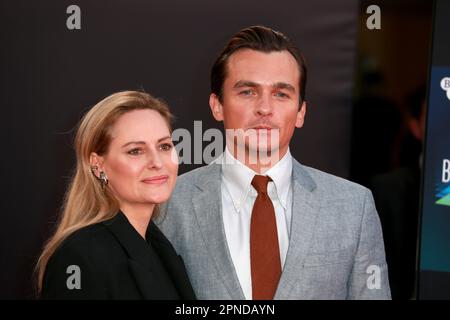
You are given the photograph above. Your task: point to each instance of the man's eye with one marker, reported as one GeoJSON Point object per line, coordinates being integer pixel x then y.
{"type": "Point", "coordinates": [135, 152]}
{"type": "Point", "coordinates": [281, 95]}
{"type": "Point", "coordinates": [246, 92]}
{"type": "Point", "coordinates": [166, 146]}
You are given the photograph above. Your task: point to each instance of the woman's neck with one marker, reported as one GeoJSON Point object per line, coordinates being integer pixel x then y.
{"type": "Point", "coordinates": [139, 216]}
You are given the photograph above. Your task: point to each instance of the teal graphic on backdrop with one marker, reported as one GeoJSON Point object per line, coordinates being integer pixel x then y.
{"type": "Point", "coordinates": [443, 188]}
{"type": "Point", "coordinates": [434, 265]}
{"type": "Point", "coordinates": [444, 197]}
{"type": "Point", "coordinates": [435, 244]}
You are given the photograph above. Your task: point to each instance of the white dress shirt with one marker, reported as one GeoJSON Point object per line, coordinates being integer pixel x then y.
{"type": "Point", "coordinates": [238, 197]}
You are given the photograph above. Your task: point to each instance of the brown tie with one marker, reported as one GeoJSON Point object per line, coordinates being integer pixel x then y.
{"type": "Point", "coordinates": [264, 249]}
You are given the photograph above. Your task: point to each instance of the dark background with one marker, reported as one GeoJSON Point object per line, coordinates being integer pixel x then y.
{"type": "Point", "coordinates": [51, 75]}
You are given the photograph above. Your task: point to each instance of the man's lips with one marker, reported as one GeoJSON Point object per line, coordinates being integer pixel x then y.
{"type": "Point", "coordinates": [262, 127]}
{"type": "Point", "coordinates": [156, 179]}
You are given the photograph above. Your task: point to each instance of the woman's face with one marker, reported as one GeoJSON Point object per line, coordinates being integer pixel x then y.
{"type": "Point", "coordinates": [141, 163]}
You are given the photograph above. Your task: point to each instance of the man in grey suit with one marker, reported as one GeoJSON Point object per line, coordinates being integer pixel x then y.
{"type": "Point", "coordinates": [255, 223]}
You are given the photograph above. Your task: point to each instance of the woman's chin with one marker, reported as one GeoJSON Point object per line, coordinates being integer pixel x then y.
{"type": "Point", "coordinates": [159, 199]}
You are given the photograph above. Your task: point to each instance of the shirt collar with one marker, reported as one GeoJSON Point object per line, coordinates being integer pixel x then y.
{"type": "Point", "coordinates": [238, 177]}
{"type": "Point", "coordinates": [281, 175]}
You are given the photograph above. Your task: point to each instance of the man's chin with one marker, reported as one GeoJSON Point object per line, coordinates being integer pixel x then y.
{"type": "Point", "coordinates": [258, 153]}
{"type": "Point", "coordinates": [262, 149]}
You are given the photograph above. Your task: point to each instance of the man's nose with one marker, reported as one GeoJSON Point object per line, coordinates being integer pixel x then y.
{"type": "Point", "coordinates": [264, 105]}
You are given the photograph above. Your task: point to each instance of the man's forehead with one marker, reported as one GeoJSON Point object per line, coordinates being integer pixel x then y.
{"type": "Point", "coordinates": [247, 53]}
{"type": "Point", "coordinates": [261, 67]}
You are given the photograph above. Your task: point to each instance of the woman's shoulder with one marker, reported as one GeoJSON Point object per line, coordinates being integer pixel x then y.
{"type": "Point", "coordinates": [82, 258]}
{"type": "Point", "coordinates": [86, 237]}
{"type": "Point", "coordinates": [91, 242]}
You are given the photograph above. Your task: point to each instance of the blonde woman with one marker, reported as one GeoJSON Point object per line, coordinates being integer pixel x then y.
{"type": "Point", "coordinates": [106, 245]}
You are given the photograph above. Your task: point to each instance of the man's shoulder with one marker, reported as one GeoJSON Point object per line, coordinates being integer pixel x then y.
{"type": "Point", "coordinates": [199, 176]}
{"type": "Point", "coordinates": [329, 183]}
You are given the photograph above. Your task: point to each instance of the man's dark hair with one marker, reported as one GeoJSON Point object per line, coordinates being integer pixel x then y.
{"type": "Point", "coordinates": [258, 38]}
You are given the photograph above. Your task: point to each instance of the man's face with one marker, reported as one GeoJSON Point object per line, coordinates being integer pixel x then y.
{"type": "Point", "coordinates": [261, 94]}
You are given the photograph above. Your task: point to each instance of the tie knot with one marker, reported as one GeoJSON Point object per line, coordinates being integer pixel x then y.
{"type": "Point", "coordinates": [260, 183]}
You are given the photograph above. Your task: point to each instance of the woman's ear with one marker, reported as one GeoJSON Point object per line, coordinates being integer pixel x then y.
{"type": "Point", "coordinates": [96, 163]}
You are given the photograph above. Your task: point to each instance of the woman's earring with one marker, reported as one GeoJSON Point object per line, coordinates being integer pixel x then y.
{"type": "Point", "coordinates": [103, 179]}
{"type": "Point", "coordinates": [102, 176]}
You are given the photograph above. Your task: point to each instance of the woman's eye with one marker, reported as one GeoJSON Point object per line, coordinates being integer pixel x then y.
{"type": "Point", "coordinates": [166, 146]}
{"type": "Point", "coordinates": [135, 152]}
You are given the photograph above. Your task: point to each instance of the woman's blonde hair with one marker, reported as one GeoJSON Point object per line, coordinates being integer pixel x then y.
{"type": "Point", "coordinates": [86, 202]}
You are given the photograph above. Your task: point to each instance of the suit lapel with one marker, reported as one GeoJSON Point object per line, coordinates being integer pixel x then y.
{"type": "Point", "coordinates": [146, 281]}
{"type": "Point", "coordinates": [172, 261]}
{"type": "Point", "coordinates": [141, 259]}
{"type": "Point", "coordinates": [305, 206]}
{"type": "Point", "coordinates": [208, 209]}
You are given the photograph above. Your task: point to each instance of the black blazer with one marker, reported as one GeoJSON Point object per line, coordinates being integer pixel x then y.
{"type": "Point", "coordinates": [115, 262]}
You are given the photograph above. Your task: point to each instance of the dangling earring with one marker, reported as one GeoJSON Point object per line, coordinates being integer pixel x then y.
{"type": "Point", "coordinates": [103, 179]}
{"type": "Point", "coordinates": [102, 176]}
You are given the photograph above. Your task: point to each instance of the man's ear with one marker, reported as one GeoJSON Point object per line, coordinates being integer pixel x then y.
{"type": "Point", "coordinates": [96, 162]}
{"type": "Point", "coordinates": [301, 115]}
{"type": "Point", "coordinates": [216, 107]}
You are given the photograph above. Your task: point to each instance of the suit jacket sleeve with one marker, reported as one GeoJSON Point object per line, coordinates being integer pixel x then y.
{"type": "Point", "coordinates": [71, 275]}
{"type": "Point", "coordinates": [369, 276]}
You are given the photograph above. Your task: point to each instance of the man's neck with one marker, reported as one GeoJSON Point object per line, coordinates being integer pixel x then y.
{"type": "Point", "coordinates": [260, 164]}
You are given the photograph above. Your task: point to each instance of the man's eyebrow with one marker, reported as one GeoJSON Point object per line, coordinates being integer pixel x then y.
{"type": "Point", "coordinates": [284, 85]}
{"type": "Point", "coordinates": [251, 84]}
{"type": "Point", "coordinates": [245, 83]}
{"type": "Point", "coordinates": [143, 142]}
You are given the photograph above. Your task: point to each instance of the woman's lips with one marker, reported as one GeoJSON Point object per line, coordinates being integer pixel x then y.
{"type": "Point", "coordinates": [156, 180]}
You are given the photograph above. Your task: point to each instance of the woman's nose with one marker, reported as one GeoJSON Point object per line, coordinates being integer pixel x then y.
{"type": "Point", "coordinates": [154, 160]}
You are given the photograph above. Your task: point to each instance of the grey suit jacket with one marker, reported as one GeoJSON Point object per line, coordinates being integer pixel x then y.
{"type": "Point", "coordinates": [336, 248]}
